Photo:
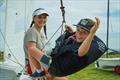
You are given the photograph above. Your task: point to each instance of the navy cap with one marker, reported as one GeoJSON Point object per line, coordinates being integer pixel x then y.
{"type": "Point", "coordinates": [85, 24]}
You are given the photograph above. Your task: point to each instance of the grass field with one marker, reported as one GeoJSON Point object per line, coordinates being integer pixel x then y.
{"type": "Point", "coordinates": [91, 73]}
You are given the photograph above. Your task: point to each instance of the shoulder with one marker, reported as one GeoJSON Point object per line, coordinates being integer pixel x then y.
{"type": "Point", "coordinates": [31, 31]}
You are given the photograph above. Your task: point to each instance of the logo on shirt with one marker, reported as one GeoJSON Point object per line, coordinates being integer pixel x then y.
{"type": "Point", "coordinates": [101, 46]}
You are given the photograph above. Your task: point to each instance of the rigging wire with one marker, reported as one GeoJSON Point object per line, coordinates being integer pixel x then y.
{"type": "Point", "coordinates": [15, 61]}
{"type": "Point", "coordinates": [10, 49]}
{"type": "Point", "coordinates": [5, 38]}
{"type": "Point", "coordinates": [119, 26]}
{"type": "Point", "coordinates": [25, 16]}
{"type": "Point", "coordinates": [63, 11]}
{"type": "Point", "coordinates": [22, 66]}
{"type": "Point", "coordinates": [63, 15]}
{"type": "Point", "coordinates": [52, 36]}
{"type": "Point", "coordinates": [61, 26]}
{"type": "Point", "coordinates": [109, 24]}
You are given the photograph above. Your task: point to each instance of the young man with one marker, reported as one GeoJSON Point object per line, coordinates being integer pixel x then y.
{"type": "Point", "coordinates": [75, 50]}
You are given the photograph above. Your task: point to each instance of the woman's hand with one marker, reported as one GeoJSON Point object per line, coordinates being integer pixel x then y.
{"type": "Point", "coordinates": [68, 28]}
{"type": "Point", "coordinates": [96, 26]}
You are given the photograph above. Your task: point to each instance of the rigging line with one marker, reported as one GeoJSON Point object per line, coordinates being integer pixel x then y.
{"type": "Point", "coordinates": [63, 15]}
{"type": "Point", "coordinates": [63, 11]}
{"type": "Point", "coordinates": [110, 22]}
{"type": "Point", "coordinates": [52, 36]}
{"type": "Point", "coordinates": [6, 6]}
{"type": "Point", "coordinates": [111, 26]}
{"type": "Point", "coordinates": [61, 26]}
{"type": "Point", "coordinates": [5, 29]}
{"type": "Point", "coordinates": [119, 26]}
{"type": "Point", "coordinates": [15, 62]}
{"type": "Point", "coordinates": [25, 16]}
{"type": "Point", "coordinates": [62, 29]}
{"type": "Point", "coordinates": [9, 47]}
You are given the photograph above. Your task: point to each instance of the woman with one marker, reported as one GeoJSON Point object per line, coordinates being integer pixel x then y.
{"type": "Point", "coordinates": [34, 41]}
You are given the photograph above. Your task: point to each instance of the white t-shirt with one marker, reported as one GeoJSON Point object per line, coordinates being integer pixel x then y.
{"type": "Point", "coordinates": [33, 35]}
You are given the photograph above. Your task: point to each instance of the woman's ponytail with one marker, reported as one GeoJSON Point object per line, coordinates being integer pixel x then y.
{"type": "Point", "coordinates": [31, 24]}
{"type": "Point", "coordinates": [45, 31]}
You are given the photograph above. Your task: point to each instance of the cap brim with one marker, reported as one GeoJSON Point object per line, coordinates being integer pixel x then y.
{"type": "Point", "coordinates": [81, 27]}
{"type": "Point", "coordinates": [43, 14]}
{"type": "Point", "coordinates": [40, 12]}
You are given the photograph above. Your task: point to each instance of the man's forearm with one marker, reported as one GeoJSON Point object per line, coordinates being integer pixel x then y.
{"type": "Point", "coordinates": [83, 49]}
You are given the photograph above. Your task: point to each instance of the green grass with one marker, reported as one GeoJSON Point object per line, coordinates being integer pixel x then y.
{"type": "Point", "coordinates": [91, 73]}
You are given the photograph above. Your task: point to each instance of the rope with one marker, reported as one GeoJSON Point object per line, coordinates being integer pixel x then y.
{"type": "Point", "coordinates": [25, 12]}
{"type": "Point", "coordinates": [23, 67]}
{"type": "Point", "coordinates": [63, 11]}
{"type": "Point", "coordinates": [61, 26]}
{"type": "Point", "coordinates": [15, 61]}
{"type": "Point", "coordinates": [52, 36]}
{"type": "Point", "coordinates": [63, 15]}
{"type": "Point", "coordinates": [10, 49]}
{"type": "Point", "coordinates": [4, 37]}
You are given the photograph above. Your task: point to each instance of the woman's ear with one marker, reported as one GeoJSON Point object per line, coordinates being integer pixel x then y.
{"type": "Point", "coordinates": [45, 21]}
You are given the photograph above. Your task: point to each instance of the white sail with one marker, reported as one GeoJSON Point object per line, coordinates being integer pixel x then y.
{"type": "Point", "coordinates": [14, 17]}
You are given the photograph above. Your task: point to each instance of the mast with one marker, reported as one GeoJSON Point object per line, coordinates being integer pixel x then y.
{"type": "Point", "coordinates": [107, 38]}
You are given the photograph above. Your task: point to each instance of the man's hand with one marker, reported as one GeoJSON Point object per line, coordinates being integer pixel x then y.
{"type": "Point", "coordinates": [96, 26]}
{"type": "Point", "coordinates": [68, 28]}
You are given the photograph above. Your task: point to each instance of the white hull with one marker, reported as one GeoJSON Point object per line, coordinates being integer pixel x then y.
{"type": "Point", "coordinates": [107, 63]}
{"type": "Point", "coordinates": [9, 71]}
{"type": "Point", "coordinates": [7, 74]}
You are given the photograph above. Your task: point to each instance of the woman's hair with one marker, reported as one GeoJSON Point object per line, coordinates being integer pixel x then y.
{"type": "Point", "coordinates": [31, 24]}
{"type": "Point", "coordinates": [45, 31]}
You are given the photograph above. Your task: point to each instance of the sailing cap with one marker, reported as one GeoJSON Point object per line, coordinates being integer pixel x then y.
{"type": "Point", "coordinates": [40, 11]}
{"type": "Point", "coordinates": [85, 24]}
